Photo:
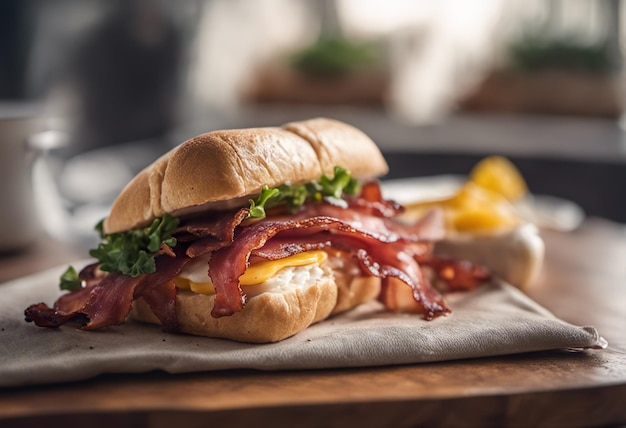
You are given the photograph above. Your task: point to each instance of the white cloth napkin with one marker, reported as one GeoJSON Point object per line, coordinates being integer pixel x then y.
{"type": "Point", "coordinates": [496, 319]}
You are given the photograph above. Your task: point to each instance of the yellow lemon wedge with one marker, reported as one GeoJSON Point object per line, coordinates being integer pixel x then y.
{"type": "Point", "coordinates": [498, 174]}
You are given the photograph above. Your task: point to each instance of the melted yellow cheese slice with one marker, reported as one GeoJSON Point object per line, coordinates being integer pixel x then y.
{"type": "Point", "coordinates": [258, 272]}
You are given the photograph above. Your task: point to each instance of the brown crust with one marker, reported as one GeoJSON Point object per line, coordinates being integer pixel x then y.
{"type": "Point", "coordinates": [337, 143]}
{"type": "Point", "coordinates": [353, 291]}
{"type": "Point", "coordinates": [235, 164]}
{"type": "Point", "coordinates": [267, 317]}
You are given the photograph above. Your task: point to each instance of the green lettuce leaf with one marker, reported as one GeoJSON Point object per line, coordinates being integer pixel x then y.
{"type": "Point", "coordinates": [132, 252]}
{"type": "Point", "coordinates": [329, 189]}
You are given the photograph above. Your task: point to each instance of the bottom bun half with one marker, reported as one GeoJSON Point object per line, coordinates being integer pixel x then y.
{"type": "Point", "coordinates": [285, 305]}
{"type": "Point", "coordinates": [279, 308]}
{"type": "Point", "coordinates": [354, 290]}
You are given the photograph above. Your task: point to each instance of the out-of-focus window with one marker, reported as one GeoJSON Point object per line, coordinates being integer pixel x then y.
{"type": "Point", "coordinates": [433, 56]}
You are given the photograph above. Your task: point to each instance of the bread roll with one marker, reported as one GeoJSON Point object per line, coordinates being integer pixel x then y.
{"type": "Point", "coordinates": [223, 169]}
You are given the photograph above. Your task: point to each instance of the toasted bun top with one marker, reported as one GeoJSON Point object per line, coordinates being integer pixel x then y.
{"type": "Point", "coordinates": [223, 169]}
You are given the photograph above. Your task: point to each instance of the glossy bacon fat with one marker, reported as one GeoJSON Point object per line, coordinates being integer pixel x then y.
{"type": "Point", "coordinates": [364, 230]}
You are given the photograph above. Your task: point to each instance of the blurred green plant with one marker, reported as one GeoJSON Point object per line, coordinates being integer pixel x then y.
{"type": "Point", "coordinates": [335, 57]}
{"type": "Point", "coordinates": [532, 53]}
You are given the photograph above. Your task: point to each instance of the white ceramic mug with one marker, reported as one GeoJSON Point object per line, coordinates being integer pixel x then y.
{"type": "Point", "coordinates": [19, 224]}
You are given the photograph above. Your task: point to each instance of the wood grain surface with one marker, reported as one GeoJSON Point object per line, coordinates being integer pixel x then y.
{"type": "Point", "coordinates": [583, 282]}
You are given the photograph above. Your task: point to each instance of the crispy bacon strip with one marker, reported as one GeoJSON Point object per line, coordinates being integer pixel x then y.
{"type": "Point", "coordinates": [429, 228]}
{"type": "Point", "coordinates": [159, 289]}
{"type": "Point", "coordinates": [162, 301]}
{"type": "Point", "coordinates": [459, 275]}
{"type": "Point", "coordinates": [108, 301]}
{"type": "Point", "coordinates": [396, 265]}
{"type": "Point", "coordinates": [214, 236]}
{"type": "Point", "coordinates": [103, 304]}
{"type": "Point", "coordinates": [218, 226]}
{"type": "Point", "coordinates": [378, 254]}
{"type": "Point", "coordinates": [371, 200]}
{"type": "Point", "coordinates": [45, 316]}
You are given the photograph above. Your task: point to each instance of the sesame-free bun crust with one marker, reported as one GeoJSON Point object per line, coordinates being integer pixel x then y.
{"type": "Point", "coordinates": [267, 317]}
{"type": "Point", "coordinates": [354, 289]}
{"type": "Point", "coordinates": [223, 169]}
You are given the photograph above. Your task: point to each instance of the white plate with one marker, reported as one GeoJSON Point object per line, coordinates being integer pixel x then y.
{"type": "Point", "coordinates": [545, 211]}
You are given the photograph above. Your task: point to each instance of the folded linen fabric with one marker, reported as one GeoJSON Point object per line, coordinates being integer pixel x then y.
{"type": "Point", "coordinates": [496, 319]}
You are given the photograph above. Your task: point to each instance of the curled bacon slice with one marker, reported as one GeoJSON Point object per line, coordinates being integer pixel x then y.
{"type": "Point", "coordinates": [108, 301]}
{"type": "Point", "coordinates": [385, 255]}
{"type": "Point", "coordinates": [219, 227]}
{"type": "Point", "coordinates": [459, 275]}
{"type": "Point", "coordinates": [161, 299]}
{"type": "Point", "coordinates": [105, 303]}
{"type": "Point", "coordinates": [430, 227]}
{"type": "Point", "coordinates": [210, 235]}
{"type": "Point", "coordinates": [371, 201]}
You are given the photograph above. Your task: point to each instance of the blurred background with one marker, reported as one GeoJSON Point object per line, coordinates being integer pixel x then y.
{"type": "Point", "coordinates": [438, 85]}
